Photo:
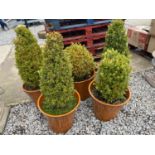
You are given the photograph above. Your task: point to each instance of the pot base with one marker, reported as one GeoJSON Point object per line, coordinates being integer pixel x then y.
{"type": "Point", "coordinates": [60, 123]}
{"type": "Point", "coordinates": [105, 111]}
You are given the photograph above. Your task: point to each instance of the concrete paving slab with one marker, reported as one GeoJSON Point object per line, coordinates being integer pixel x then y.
{"type": "Point", "coordinates": [4, 51]}
{"type": "Point", "coordinates": [4, 111]}
{"type": "Point", "coordinates": [139, 63]}
{"type": "Point", "coordinates": [6, 37]}
{"type": "Point", "coordinates": [150, 78]}
{"type": "Point", "coordinates": [11, 83]}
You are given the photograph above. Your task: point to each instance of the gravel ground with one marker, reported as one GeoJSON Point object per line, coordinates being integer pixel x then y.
{"type": "Point", "coordinates": [138, 117]}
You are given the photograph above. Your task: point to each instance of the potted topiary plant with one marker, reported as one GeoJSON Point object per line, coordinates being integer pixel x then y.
{"type": "Point", "coordinates": [83, 68]}
{"type": "Point", "coordinates": [109, 90]}
{"type": "Point", "coordinates": [28, 60]}
{"type": "Point", "coordinates": [116, 37]}
{"type": "Point", "coordinates": [58, 101]}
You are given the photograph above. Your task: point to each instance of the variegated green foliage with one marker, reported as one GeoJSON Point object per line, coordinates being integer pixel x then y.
{"type": "Point", "coordinates": [28, 56]}
{"type": "Point", "coordinates": [82, 61]}
{"type": "Point", "coordinates": [116, 37]}
{"type": "Point", "coordinates": [113, 76]}
{"type": "Point", "coordinates": [56, 80]}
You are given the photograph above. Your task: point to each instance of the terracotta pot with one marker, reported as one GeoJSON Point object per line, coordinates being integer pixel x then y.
{"type": "Point", "coordinates": [82, 87]}
{"type": "Point", "coordinates": [60, 123]}
{"type": "Point", "coordinates": [34, 94]}
{"type": "Point", "coordinates": [105, 111]}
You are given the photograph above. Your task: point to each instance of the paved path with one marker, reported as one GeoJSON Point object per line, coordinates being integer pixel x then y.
{"type": "Point", "coordinates": [4, 51]}
{"type": "Point", "coordinates": [11, 82]}
{"type": "Point", "coordinates": [6, 37]}
{"type": "Point", "coordinates": [4, 110]}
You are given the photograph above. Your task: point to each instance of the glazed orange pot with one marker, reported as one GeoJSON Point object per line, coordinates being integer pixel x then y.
{"type": "Point", "coordinates": [82, 87]}
{"type": "Point", "coordinates": [105, 111]}
{"type": "Point", "coordinates": [34, 94]}
{"type": "Point", "coordinates": [59, 123]}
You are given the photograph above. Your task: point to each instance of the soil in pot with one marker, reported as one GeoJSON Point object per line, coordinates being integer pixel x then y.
{"type": "Point", "coordinates": [34, 94]}
{"type": "Point", "coordinates": [60, 123]}
{"type": "Point", "coordinates": [82, 86]}
{"type": "Point", "coordinates": [106, 111]}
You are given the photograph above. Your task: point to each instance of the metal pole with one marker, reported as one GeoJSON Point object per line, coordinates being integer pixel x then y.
{"type": "Point", "coordinates": [25, 20]}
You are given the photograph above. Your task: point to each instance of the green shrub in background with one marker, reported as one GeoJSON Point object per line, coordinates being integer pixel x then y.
{"type": "Point", "coordinates": [56, 80]}
{"type": "Point", "coordinates": [82, 61]}
{"type": "Point", "coordinates": [28, 57]}
{"type": "Point", "coordinates": [116, 37]}
{"type": "Point", "coordinates": [113, 76]}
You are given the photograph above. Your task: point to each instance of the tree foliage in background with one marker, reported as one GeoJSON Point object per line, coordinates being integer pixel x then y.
{"type": "Point", "coordinates": [82, 61]}
{"type": "Point", "coordinates": [116, 37]}
{"type": "Point", "coordinates": [28, 56]}
{"type": "Point", "coordinates": [113, 76]}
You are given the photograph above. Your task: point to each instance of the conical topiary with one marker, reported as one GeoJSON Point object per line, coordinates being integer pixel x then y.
{"type": "Point", "coordinates": [56, 81]}
{"type": "Point", "coordinates": [116, 37]}
{"type": "Point", "coordinates": [28, 57]}
{"type": "Point", "coordinates": [112, 76]}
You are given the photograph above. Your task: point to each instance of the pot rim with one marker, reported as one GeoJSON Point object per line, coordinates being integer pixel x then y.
{"type": "Point", "coordinates": [93, 75]}
{"type": "Point", "coordinates": [29, 91]}
{"type": "Point", "coordinates": [105, 103]}
{"type": "Point", "coordinates": [60, 115]}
